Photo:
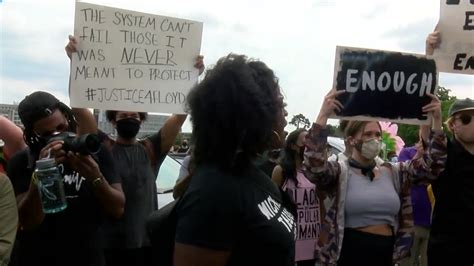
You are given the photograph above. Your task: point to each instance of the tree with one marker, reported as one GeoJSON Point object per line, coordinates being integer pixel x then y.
{"type": "Point", "coordinates": [446, 101]}
{"type": "Point", "coordinates": [332, 130]}
{"type": "Point", "coordinates": [300, 121]}
{"type": "Point", "coordinates": [409, 133]}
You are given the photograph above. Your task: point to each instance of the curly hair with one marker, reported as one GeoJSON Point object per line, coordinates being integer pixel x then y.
{"type": "Point", "coordinates": [288, 164]}
{"type": "Point", "coordinates": [112, 114]}
{"type": "Point", "coordinates": [233, 112]}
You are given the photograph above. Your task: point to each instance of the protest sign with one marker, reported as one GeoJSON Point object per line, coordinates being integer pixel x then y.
{"type": "Point", "coordinates": [132, 61]}
{"type": "Point", "coordinates": [383, 85]}
{"type": "Point", "coordinates": [456, 26]}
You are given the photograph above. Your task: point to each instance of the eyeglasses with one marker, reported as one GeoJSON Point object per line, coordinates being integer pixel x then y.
{"type": "Point", "coordinates": [465, 118]}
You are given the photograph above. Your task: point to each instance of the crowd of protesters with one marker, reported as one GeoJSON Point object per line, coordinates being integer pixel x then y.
{"type": "Point", "coordinates": [355, 210]}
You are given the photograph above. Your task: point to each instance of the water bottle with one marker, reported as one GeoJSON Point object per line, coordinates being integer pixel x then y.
{"type": "Point", "coordinates": [50, 186]}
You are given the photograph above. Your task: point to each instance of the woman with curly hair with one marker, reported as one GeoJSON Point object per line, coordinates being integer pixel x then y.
{"type": "Point", "coordinates": [232, 213]}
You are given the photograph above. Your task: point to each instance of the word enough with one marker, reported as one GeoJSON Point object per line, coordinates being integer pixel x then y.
{"type": "Point", "coordinates": [385, 80]}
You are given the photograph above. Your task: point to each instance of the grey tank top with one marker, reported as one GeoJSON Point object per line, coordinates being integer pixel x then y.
{"type": "Point", "coordinates": [371, 202]}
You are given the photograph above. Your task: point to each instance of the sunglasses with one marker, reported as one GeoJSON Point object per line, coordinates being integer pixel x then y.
{"type": "Point", "coordinates": [465, 118]}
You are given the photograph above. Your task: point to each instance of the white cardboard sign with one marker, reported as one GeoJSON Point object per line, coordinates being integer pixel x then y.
{"type": "Point", "coordinates": [456, 24]}
{"type": "Point", "coordinates": [132, 61]}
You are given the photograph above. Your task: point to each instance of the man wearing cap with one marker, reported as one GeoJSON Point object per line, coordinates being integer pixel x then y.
{"type": "Point", "coordinates": [91, 185]}
{"type": "Point", "coordinates": [452, 233]}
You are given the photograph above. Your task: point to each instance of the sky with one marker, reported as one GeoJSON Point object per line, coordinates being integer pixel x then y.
{"type": "Point", "coordinates": [297, 39]}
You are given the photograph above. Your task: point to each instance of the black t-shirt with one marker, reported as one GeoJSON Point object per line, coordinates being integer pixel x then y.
{"type": "Point", "coordinates": [453, 215]}
{"type": "Point", "coordinates": [70, 237]}
{"type": "Point", "coordinates": [267, 167]}
{"type": "Point", "coordinates": [138, 174]}
{"type": "Point", "coordinates": [241, 213]}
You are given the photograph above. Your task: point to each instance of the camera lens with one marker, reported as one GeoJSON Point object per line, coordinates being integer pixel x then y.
{"type": "Point", "coordinates": [91, 143]}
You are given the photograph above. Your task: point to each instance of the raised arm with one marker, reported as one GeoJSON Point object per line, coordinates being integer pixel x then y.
{"type": "Point", "coordinates": [170, 131]}
{"type": "Point", "coordinates": [315, 164]}
{"type": "Point", "coordinates": [173, 125]}
{"type": "Point", "coordinates": [85, 119]}
{"type": "Point", "coordinates": [432, 163]}
{"type": "Point", "coordinates": [432, 41]}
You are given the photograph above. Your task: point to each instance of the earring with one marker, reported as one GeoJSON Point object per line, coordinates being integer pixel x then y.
{"type": "Point", "coordinates": [277, 135]}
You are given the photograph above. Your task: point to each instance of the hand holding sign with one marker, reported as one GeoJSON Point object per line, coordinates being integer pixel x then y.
{"type": "Point", "coordinates": [330, 105]}
{"type": "Point", "coordinates": [71, 46]}
{"type": "Point", "coordinates": [434, 109]}
{"type": "Point", "coordinates": [200, 64]}
{"type": "Point", "coordinates": [432, 42]}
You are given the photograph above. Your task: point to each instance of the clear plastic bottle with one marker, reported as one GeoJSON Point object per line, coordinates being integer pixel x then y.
{"type": "Point", "coordinates": [50, 186]}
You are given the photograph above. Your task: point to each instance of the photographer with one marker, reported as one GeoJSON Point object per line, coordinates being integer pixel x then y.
{"type": "Point", "coordinates": [91, 186]}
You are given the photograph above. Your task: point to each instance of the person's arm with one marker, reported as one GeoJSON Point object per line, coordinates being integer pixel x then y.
{"type": "Point", "coordinates": [433, 109]}
{"type": "Point", "coordinates": [432, 41]}
{"type": "Point", "coordinates": [170, 131]}
{"type": "Point", "coordinates": [173, 124]}
{"type": "Point", "coordinates": [184, 168]}
{"type": "Point", "coordinates": [30, 210]}
{"type": "Point", "coordinates": [185, 255]}
{"type": "Point", "coordinates": [110, 195]}
{"type": "Point", "coordinates": [277, 175]}
{"type": "Point", "coordinates": [8, 219]}
{"type": "Point", "coordinates": [316, 166]}
{"type": "Point", "coordinates": [85, 119]}
{"type": "Point", "coordinates": [12, 136]}
{"type": "Point", "coordinates": [433, 161]}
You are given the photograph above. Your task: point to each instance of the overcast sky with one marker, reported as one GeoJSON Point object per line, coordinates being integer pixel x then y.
{"type": "Point", "coordinates": [297, 39]}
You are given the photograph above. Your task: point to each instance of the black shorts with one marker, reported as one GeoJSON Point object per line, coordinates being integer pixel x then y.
{"type": "Point", "coordinates": [361, 248]}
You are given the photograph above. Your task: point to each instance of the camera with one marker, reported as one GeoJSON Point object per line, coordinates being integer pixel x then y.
{"type": "Point", "coordinates": [85, 144]}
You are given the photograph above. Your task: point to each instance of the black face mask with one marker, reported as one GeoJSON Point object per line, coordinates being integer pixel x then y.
{"type": "Point", "coordinates": [128, 128]}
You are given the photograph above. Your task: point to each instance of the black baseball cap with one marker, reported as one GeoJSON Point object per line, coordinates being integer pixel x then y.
{"type": "Point", "coordinates": [36, 106]}
{"type": "Point", "coordinates": [461, 105]}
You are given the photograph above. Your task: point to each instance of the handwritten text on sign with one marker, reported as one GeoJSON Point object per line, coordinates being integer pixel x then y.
{"type": "Point", "coordinates": [456, 24]}
{"type": "Point", "coordinates": [133, 61]}
{"type": "Point", "coordinates": [382, 85]}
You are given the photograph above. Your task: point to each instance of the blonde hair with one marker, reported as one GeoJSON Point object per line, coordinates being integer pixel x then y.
{"type": "Point", "coordinates": [449, 122]}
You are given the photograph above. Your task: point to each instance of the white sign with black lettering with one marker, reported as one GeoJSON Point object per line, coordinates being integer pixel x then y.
{"type": "Point", "coordinates": [456, 26]}
{"type": "Point", "coordinates": [133, 61]}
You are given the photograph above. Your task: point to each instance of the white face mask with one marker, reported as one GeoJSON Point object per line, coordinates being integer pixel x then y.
{"type": "Point", "coordinates": [369, 149]}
